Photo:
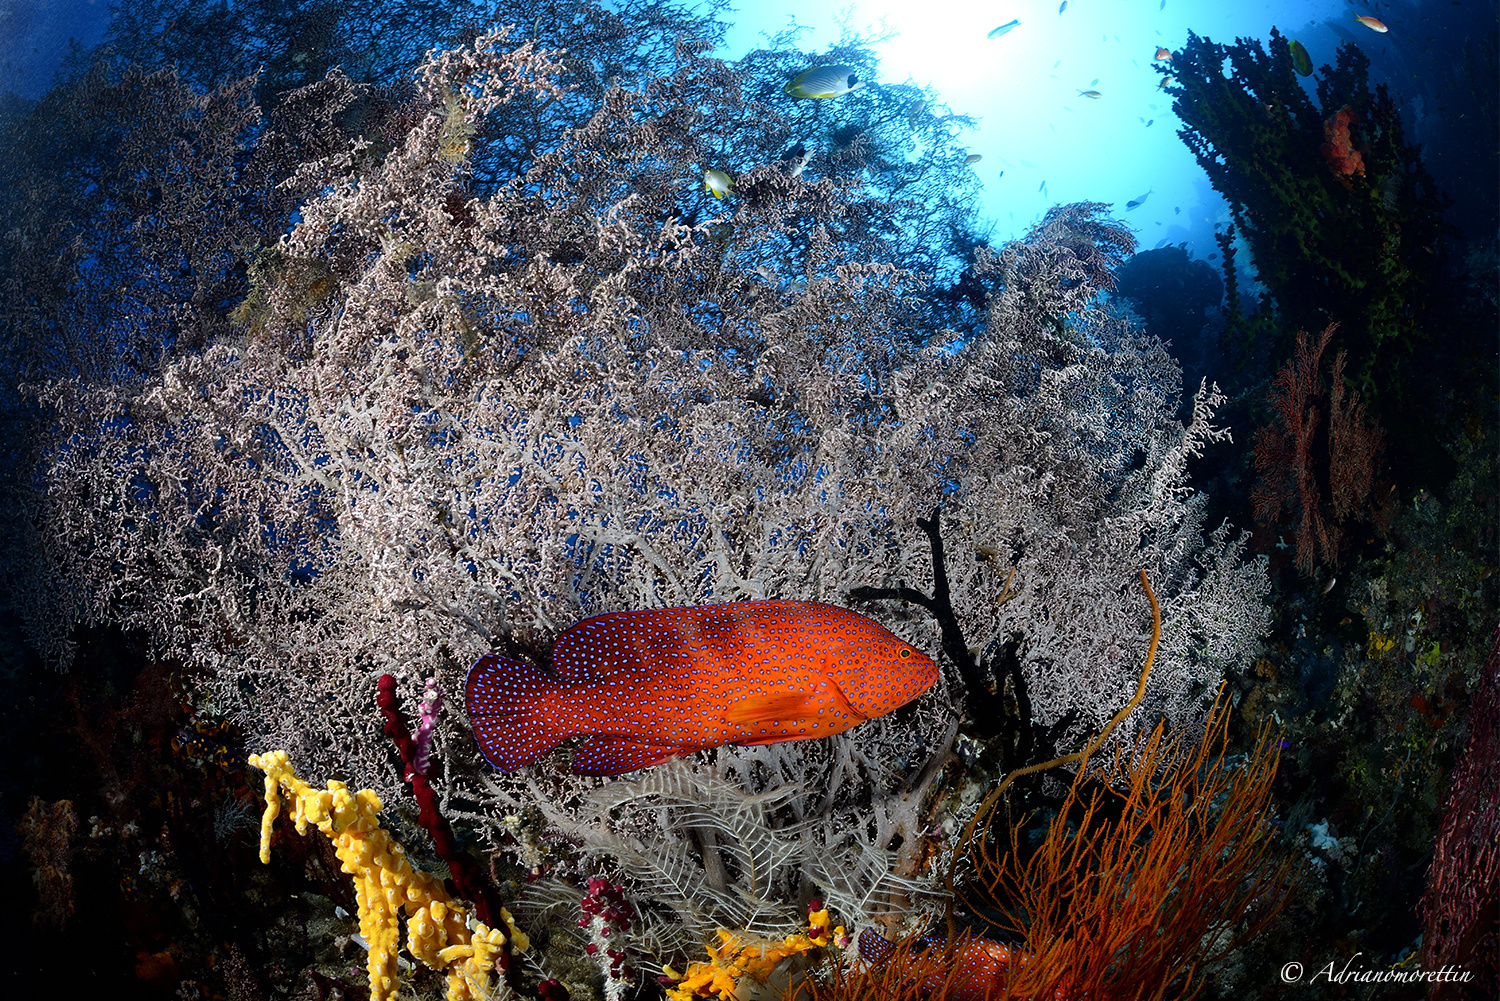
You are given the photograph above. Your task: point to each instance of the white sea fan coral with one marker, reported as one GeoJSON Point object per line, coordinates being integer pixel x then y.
{"type": "Point", "coordinates": [462, 421]}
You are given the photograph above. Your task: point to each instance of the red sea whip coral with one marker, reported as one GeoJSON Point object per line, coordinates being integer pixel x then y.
{"type": "Point", "coordinates": [465, 872]}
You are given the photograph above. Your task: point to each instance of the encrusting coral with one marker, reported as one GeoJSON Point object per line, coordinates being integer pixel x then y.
{"type": "Point", "coordinates": [437, 928]}
{"type": "Point", "coordinates": [1343, 159]}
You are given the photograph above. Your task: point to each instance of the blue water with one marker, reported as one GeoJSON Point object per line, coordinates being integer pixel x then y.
{"type": "Point", "coordinates": [1042, 142]}
{"type": "Point", "coordinates": [1032, 124]}
{"type": "Point", "coordinates": [34, 38]}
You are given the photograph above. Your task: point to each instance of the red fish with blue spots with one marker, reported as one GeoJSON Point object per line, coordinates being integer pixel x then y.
{"type": "Point", "coordinates": [648, 684]}
{"type": "Point", "coordinates": [978, 971]}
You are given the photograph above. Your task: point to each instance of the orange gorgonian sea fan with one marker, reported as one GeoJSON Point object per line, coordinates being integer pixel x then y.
{"type": "Point", "coordinates": [1145, 878]}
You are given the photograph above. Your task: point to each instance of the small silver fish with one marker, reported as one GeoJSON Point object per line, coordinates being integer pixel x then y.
{"type": "Point", "coordinates": [1062, 7]}
{"type": "Point", "coordinates": [1136, 203]}
{"type": "Point", "coordinates": [972, 158]}
{"type": "Point", "coordinates": [1003, 29]}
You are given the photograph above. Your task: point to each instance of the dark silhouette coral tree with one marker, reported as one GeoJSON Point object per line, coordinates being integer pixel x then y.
{"type": "Point", "coordinates": [1329, 242]}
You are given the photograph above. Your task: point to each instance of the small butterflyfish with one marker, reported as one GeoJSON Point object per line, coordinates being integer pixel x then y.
{"type": "Point", "coordinates": [717, 182]}
{"type": "Point", "coordinates": [823, 82]}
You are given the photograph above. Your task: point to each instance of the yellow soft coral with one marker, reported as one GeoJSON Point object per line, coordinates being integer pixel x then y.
{"type": "Point", "coordinates": [437, 927]}
{"type": "Point", "coordinates": [736, 956]}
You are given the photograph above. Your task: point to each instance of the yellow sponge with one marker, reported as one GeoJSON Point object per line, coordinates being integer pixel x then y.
{"type": "Point", "coordinates": [438, 930]}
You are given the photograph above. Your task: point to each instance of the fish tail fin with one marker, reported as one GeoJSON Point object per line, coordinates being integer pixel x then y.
{"type": "Point", "coordinates": [516, 711]}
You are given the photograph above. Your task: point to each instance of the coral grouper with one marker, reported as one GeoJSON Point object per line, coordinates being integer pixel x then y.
{"type": "Point", "coordinates": [652, 683]}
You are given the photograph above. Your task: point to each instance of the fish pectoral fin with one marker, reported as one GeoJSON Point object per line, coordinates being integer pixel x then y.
{"type": "Point", "coordinates": [772, 707]}
{"type": "Point", "coordinates": [605, 755]}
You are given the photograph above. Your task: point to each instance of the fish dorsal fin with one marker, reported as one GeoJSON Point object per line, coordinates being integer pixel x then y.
{"type": "Point", "coordinates": [770, 708]}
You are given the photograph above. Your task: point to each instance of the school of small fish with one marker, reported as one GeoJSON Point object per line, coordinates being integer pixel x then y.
{"type": "Point", "coordinates": [833, 81]}
{"type": "Point", "coordinates": [648, 684]}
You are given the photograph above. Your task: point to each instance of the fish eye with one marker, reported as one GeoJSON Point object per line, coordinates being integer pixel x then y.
{"type": "Point", "coordinates": [905, 652]}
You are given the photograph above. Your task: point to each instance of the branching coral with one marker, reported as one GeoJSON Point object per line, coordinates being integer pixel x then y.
{"type": "Point", "coordinates": [585, 386]}
{"type": "Point", "coordinates": [1463, 882]}
{"type": "Point", "coordinates": [438, 928]}
{"type": "Point", "coordinates": [46, 832]}
{"type": "Point", "coordinates": [606, 917]}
